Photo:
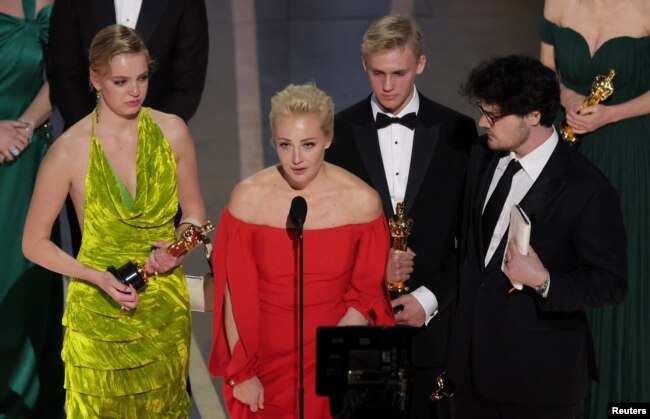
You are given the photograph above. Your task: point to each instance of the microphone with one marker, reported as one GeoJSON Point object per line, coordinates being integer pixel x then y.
{"type": "Point", "coordinates": [298, 212]}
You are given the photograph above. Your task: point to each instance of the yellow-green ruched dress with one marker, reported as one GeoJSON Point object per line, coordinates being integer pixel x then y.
{"type": "Point", "coordinates": [128, 364]}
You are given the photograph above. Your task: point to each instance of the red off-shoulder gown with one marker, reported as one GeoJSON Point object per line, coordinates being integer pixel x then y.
{"type": "Point", "coordinates": [343, 267]}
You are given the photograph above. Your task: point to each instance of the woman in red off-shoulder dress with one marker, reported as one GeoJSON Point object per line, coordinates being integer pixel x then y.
{"type": "Point", "coordinates": [346, 242]}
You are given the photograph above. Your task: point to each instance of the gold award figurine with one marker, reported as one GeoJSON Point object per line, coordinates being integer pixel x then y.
{"type": "Point", "coordinates": [444, 388]}
{"type": "Point", "coordinates": [133, 273]}
{"type": "Point", "coordinates": [400, 228]}
{"type": "Point", "coordinates": [601, 89]}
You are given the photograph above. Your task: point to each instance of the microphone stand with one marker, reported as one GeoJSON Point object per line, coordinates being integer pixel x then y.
{"type": "Point", "coordinates": [298, 213]}
{"type": "Point", "coordinates": [301, 388]}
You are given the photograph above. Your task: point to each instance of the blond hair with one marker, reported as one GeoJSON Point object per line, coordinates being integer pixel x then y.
{"type": "Point", "coordinates": [390, 32]}
{"type": "Point", "coordinates": [111, 41]}
{"type": "Point", "coordinates": [301, 99]}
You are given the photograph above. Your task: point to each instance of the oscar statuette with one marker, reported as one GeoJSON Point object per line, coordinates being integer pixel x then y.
{"type": "Point", "coordinates": [400, 228]}
{"type": "Point", "coordinates": [134, 274]}
{"type": "Point", "coordinates": [444, 388]}
{"type": "Point", "coordinates": [601, 89]}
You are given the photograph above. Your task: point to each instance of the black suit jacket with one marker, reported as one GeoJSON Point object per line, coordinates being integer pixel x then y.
{"type": "Point", "coordinates": [523, 348]}
{"type": "Point", "coordinates": [434, 189]}
{"type": "Point", "coordinates": [175, 32]}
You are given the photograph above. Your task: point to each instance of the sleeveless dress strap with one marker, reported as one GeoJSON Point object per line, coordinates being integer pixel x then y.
{"type": "Point", "coordinates": [29, 9]}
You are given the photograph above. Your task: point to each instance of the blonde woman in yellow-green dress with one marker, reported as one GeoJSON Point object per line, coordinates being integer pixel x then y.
{"type": "Point", "coordinates": [127, 169]}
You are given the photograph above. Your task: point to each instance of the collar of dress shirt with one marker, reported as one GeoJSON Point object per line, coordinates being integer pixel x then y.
{"type": "Point", "coordinates": [127, 9]}
{"type": "Point", "coordinates": [413, 106]}
{"type": "Point", "coordinates": [534, 162]}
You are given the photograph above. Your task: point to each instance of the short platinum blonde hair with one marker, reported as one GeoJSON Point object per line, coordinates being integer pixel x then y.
{"type": "Point", "coordinates": [390, 32]}
{"type": "Point", "coordinates": [114, 40]}
{"type": "Point", "coordinates": [301, 99]}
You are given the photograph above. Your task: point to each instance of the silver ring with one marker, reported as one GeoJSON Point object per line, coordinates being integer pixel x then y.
{"type": "Point", "coordinates": [14, 150]}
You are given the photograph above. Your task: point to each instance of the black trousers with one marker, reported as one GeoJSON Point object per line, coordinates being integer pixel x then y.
{"type": "Point", "coordinates": [469, 404]}
{"type": "Point", "coordinates": [421, 406]}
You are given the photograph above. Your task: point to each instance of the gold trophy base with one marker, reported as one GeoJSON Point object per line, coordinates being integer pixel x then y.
{"type": "Point", "coordinates": [130, 274]}
{"type": "Point", "coordinates": [567, 134]}
{"type": "Point", "coordinates": [395, 290]}
{"type": "Point", "coordinates": [444, 388]}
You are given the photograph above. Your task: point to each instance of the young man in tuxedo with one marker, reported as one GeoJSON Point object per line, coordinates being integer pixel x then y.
{"type": "Point", "coordinates": [528, 353]}
{"type": "Point", "coordinates": [411, 150]}
{"type": "Point", "coordinates": [176, 35]}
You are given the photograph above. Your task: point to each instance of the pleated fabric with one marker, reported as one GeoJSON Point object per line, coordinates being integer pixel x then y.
{"type": "Point", "coordinates": [124, 364]}
{"type": "Point", "coordinates": [622, 151]}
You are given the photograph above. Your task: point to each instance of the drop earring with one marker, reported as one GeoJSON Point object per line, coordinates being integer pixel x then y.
{"type": "Point", "coordinates": [97, 107]}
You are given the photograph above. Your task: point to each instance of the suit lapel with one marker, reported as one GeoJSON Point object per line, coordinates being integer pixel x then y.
{"type": "Point", "coordinates": [487, 165]}
{"type": "Point", "coordinates": [104, 13]}
{"type": "Point", "coordinates": [425, 140]}
{"type": "Point", "coordinates": [365, 137]}
{"type": "Point", "coordinates": [549, 183]}
{"type": "Point", "coordinates": [149, 17]}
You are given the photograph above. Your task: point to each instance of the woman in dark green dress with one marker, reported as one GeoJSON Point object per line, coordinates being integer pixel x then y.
{"type": "Point", "coordinates": [31, 299]}
{"type": "Point", "coordinates": [582, 39]}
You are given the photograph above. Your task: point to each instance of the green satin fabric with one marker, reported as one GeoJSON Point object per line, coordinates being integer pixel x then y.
{"type": "Point", "coordinates": [621, 150]}
{"type": "Point", "coordinates": [122, 362]}
{"type": "Point", "coordinates": [31, 298]}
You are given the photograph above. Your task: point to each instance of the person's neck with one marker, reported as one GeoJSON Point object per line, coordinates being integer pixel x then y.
{"type": "Point", "coordinates": [538, 136]}
{"type": "Point", "coordinates": [115, 123]}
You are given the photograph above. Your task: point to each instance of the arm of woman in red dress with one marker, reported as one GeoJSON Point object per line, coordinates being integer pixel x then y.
{"type": "Point", "coordinates": [366, 294]}
{"type": "Point", "coordinates": [235, 327]}
{"type": "Point", "coordinates": [249, 391]}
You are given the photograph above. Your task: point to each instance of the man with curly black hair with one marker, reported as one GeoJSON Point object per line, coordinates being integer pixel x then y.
{"type": "Point", "coordinates": [526, 351]}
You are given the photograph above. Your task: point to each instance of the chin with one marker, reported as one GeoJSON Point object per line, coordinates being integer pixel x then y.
{"type": "Point", "coordinates": [132, 112]}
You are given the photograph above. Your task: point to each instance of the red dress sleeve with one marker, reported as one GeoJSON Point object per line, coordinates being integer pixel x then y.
{"type": "Point", "coordinates": [234, 264]}
{"type": "Point", "coordinates": [367, 291]}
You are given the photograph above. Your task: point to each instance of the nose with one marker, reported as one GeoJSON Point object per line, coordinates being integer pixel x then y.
{"type": "Point", "coordinates": [135, 89]}
{"type": "Point", "coordinates": [388, 84]}
{"type": "Point", "coordinates": [296, 158]}
{"type": "Point", "coordinates": [483, 122]}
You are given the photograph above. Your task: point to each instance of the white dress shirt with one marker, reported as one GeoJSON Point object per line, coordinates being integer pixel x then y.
{"type": "Point", "coordinates": [127, 12]}
{"type": "Point", "coordinates": [396, 145]}
{"type": "Point", "coordinates": [532, 165]}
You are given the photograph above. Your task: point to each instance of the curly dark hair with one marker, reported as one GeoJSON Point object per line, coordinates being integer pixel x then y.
{"type": "Point", "coordinates": [517, 84]}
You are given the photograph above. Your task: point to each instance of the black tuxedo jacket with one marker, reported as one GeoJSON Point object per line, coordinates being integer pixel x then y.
{"type": "Point", "coordinates": [175, 32]}
{"type": "Point", "coordinates": [521, 347]}
{"type": "Point", "coordinates": [434, 189]}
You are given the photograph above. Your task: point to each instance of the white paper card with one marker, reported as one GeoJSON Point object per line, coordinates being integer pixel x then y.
{"type": "Point", "coordinates": [519, 230]}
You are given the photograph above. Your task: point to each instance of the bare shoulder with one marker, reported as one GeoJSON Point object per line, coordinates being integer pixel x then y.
{"type": "Point", "coordinates": [75, 141]}
{"type": "Point", "coordinates": [554, 10]}
{"type": "Point", "coordinates": [359, 199]}
{"type": "Point", "coordinates": [69, 153]}
{"type": "Point", "coordinates": [249, 194]}
{"type": "Point", "coordinates": [173, 127]}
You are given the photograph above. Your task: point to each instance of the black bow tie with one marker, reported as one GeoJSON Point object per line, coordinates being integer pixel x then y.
{"type": "Point", "coordinates": [409, 120]}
